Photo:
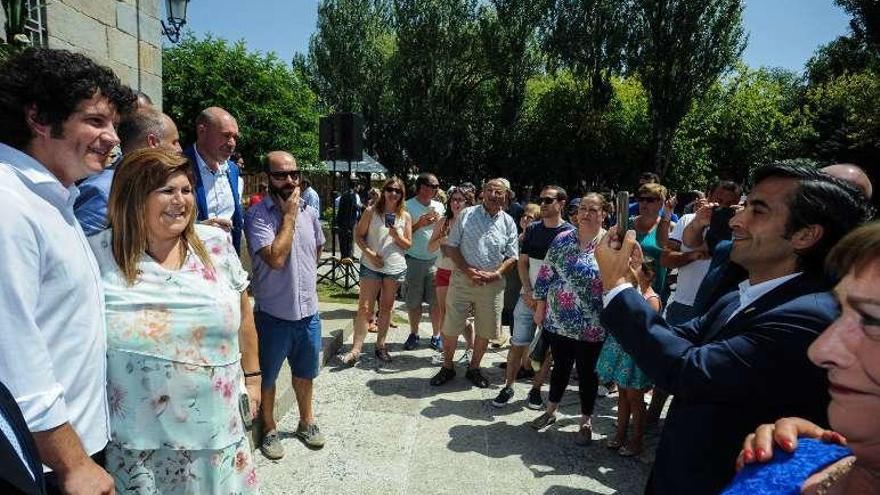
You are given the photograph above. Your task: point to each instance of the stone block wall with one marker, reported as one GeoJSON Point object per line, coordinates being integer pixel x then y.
{"type": "Point", "coordinates": [124, 35]}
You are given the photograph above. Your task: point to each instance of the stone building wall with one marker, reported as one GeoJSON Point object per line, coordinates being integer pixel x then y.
{"type": "Point", "coordinates": [124, 35]}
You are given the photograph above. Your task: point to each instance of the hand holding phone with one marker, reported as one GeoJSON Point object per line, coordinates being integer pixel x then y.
{"type": "Point", "coordinates": [390, 218]}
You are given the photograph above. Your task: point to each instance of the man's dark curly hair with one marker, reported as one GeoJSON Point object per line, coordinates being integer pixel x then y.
{"type": "Point", "coordinates": [54, 82]}
{"type": "Point", "coordinates": [821, 199]}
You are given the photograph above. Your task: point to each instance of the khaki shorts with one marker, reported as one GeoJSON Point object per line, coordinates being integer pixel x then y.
{"type": "Point", "coordinates": [486, 301]}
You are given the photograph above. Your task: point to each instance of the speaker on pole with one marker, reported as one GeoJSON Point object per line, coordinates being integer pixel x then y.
{"type": "Point", "coordinates": [340, 137]}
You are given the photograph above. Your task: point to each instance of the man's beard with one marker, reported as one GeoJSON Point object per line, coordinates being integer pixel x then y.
{"type": "Point", "coordinates": [282, 192]}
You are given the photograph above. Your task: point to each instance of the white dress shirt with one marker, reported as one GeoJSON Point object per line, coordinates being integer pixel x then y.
{"type": "Point", "coordinates": [218, 191]}
{"type": "Point", "coordinates": [53, 341]}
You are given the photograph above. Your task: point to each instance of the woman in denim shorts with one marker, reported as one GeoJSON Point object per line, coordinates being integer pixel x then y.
{"type": "Point", "coordinates": [383, 234]}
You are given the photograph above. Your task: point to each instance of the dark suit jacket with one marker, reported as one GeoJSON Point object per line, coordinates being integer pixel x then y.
{"type": "Point", "coordinates": [14, 477]}
{"type": "Point", "coordinates": [202, 202]}
{"type": "Point", "coordinates": [727, 378]}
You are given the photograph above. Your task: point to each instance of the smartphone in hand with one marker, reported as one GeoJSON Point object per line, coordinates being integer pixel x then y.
{"type": "Point", "coordinates": [390, 218]}
{"type": "Point", "coordinates": [621, 203]}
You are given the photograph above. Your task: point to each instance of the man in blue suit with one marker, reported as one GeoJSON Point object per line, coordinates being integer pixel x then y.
{"type": "Point", "coordinates": [20, 467]}
{"type": "Point", "coordinates": [217, 196]}
{"type": "Point", "coordinates": [744, 362]}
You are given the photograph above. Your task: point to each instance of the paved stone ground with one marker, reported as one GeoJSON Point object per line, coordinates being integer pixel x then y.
{"type": "Point", "coordinates": [388, 431]}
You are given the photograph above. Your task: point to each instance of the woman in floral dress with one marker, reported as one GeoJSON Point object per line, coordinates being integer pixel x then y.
{"type": "Point", "coordinates": [569, 295]}
{"type": "Point", "coordinates": [180, 334]}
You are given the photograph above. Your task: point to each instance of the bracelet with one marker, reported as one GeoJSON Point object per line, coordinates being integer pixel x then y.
{"type": "Point", "coordinates": [253, 373]}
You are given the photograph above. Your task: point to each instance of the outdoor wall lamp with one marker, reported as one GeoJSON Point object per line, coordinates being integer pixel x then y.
{"type": "Point", "coordinates": [176, 10]}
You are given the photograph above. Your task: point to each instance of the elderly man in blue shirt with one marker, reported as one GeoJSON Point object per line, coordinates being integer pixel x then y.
{"type": "Point", "coordinates": [483, 245]}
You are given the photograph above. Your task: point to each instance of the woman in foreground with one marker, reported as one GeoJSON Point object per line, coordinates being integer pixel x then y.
{"type": "Point", "coordinates": [180, 335]}
{"type": "Point", "coordinates": [850, 350]}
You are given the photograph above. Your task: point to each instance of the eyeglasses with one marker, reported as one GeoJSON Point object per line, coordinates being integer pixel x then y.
{"type": "Point", "coordinates": [456, 200]}
{"type": "Point", "coordinates": [546, 200]}
{"type": "Point", "coordinates": [293, 174]}
{"type": "Point", "coordinates": [648, 199]}
{"type": "Point", "coordinates": [395, 190]}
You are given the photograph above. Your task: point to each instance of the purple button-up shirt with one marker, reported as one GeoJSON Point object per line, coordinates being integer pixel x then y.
{"type": "Point", "coordinates": [291, 292]}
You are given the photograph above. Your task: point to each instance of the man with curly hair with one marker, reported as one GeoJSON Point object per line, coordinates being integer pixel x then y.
{"type": "Point", "coordinates": [57, 115]}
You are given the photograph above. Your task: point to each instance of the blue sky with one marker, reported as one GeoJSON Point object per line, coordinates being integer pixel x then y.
{"type": "Point", "coordinates": [782, 33]}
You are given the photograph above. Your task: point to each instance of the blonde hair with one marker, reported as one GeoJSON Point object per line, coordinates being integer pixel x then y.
{"type": "Point", "coordinates": [653, 189]}
{"type": "Point", "coordinates": [140, 173]}
{"type": "Point", "coordinates": [532, 210]}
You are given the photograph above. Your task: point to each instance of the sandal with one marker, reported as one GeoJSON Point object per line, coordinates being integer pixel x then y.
{"type": "Point", "coordinates": [584, 436]}
{"type": "Point", "coordinates": [350, 358]}
{"type": "Point", "coordinates": [613, 443]}
{"type": "Point", "coordinates": [382, 355]}
{"type": "Point", "coordinates": [625, 451]}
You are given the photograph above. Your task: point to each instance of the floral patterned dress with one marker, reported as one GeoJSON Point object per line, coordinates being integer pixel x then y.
{"type": "Point", "coordinates": [173, 373]}
{"type": "Point", "coordinates": [569, 281]}
{"type": "Point", "coordinates": [615, 365]}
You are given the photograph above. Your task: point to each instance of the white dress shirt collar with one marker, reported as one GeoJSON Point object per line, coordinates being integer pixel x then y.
{"type": "Point", "coordinates": [749, 293]}
{"type": "Point", "coordinates": [31, 170]}
{"type": "Point", "coordinates": [203, 166]}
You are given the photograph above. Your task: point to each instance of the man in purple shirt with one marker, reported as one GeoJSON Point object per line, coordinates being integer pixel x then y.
{"type": "Point", "coordinates": [284, 237]}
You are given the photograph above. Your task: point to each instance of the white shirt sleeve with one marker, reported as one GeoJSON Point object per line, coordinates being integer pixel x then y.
{"type": "Point", "coordinates": [25, 363]}
{"type": "Point", "coordinates": [611, 294]}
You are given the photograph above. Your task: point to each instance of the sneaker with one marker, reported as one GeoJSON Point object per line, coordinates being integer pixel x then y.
{"type": "Point", "coordinates": [602, 391]}
{"type": "Point", "coordinates": [271, 446]}
{"type": "Point", "coordinates": [382, 355]}
{"type": "Point", "coordinates": [411, 342]}
{"type": "Point", "coordinates": [444, 375]}
{"type": "Point", "coordinates": [310, 435]}
{"type": "Point", "coordinates": [437, 342]}
{"type": "Point", "coordinates": [535, 402]}
{"type": "Point", "coordinates": [543, 421]}
{"type": "Point", "coordinates": [466, 357]}
{"type": "Point", "coordinates": [503, 397]}
{"type": "Point", "coordinates": [477, 378]}
{"type": "Point", "coordinates": [437, 358]}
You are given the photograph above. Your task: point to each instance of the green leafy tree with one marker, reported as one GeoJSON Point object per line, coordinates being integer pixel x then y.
{"type": "Point", "coordinates": [441, 84]}
{"type": "Point", "coordinates": [274, 107]}
{"type": "Point", "coordinates": [590, 37]}
{"type": "Point", "coordinates": [866, 19]}
{"type": "Point", "coordinates": [683, 47]}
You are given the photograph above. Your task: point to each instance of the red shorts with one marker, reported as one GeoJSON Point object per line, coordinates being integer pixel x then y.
{"type": "Point", "coordinates": [441, 279]}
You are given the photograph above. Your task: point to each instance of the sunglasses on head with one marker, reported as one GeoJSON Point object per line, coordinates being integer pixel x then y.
{"type": "Point", "coordinates": [395, 190]}
{"type": "Point", "coordinates": [546, 200]}
{"type": "Point", "coordinates": [293, 174]}
{"type": "Point", "coordinates": [648, 199]}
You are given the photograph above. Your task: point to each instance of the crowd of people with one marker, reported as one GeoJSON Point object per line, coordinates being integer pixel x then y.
{"type": "Point", "coordinates": [134, 360]}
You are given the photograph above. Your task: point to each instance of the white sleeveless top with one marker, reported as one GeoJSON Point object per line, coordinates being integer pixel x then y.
{"type": "Point", "coordinates": [380, 241]}
{"type": "Point", "coordinates": [445, 262]}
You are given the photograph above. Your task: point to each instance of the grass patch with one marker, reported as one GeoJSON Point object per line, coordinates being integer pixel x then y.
{"type": "Point", "coordinates": [330, 293]}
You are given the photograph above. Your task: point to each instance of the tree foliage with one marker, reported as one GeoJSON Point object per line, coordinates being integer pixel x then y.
{"type": "Point", "coordinates": [274, 107]}
{"type": "Point", "coordinates": [683, 47]}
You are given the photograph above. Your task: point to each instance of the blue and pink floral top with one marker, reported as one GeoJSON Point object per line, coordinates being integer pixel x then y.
{"type": "Point", "coordinates": [569, 282]}
{"type": "Point", "coordinates": [173, 372]}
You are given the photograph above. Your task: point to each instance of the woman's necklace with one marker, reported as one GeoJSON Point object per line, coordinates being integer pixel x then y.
{"type": "Point", "coordinates": [834, 476]}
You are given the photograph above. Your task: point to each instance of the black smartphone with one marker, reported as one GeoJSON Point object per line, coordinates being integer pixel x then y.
{"type": "Point", "coordinates": [244, 407]}
{"type": "Point", "coordinates": [390, 218]}
{"type": "Point", "coordinates": [719, 226]}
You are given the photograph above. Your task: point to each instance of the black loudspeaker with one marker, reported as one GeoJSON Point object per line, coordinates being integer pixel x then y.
{"type": "Point", "coordinates": [341, 137]}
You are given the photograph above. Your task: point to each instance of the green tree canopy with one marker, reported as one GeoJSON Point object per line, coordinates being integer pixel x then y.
{"type": "Point", "coordinates": [274, 107]}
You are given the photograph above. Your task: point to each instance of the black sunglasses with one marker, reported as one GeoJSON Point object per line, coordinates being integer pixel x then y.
{"type": "Point", "coordinates": [544, 200]}
{"type": "Point", "coordinates": [293, 174]}
{"type": "Point", "coordinates": [393, 190]}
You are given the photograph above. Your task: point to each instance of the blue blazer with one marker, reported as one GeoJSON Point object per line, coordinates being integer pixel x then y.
{"type": "Point", "coordinates": [202, 202]}
{"type": "Point", "coordinates": [727, 377]}
{"type": "Point", "coordinates": [14, 477]}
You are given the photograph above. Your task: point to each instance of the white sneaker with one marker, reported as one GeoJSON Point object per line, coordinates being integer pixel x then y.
{"type": "Point", "coordinates": [437, 358]}
{"type": "Point", "coordinates": [466, 357]}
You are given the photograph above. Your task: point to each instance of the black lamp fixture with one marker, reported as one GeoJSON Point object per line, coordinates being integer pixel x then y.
{"type": "Point", "coordinates": [176, 10]}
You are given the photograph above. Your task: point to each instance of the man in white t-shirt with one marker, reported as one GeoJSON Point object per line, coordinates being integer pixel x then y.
{"type": "Point", "coordinates": [692, 264]}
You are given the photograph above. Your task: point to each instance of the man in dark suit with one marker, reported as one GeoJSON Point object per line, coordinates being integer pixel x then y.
{"type": "Point", "coordinates": [744, 362]}
{"type": "Point", "coordinates": [20, 467]}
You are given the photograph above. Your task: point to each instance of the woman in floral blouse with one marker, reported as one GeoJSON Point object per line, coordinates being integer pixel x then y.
{"type": "Point", "coordinates": [180, 333]}
{"type": "Point", "coordinates": [569, 295]}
